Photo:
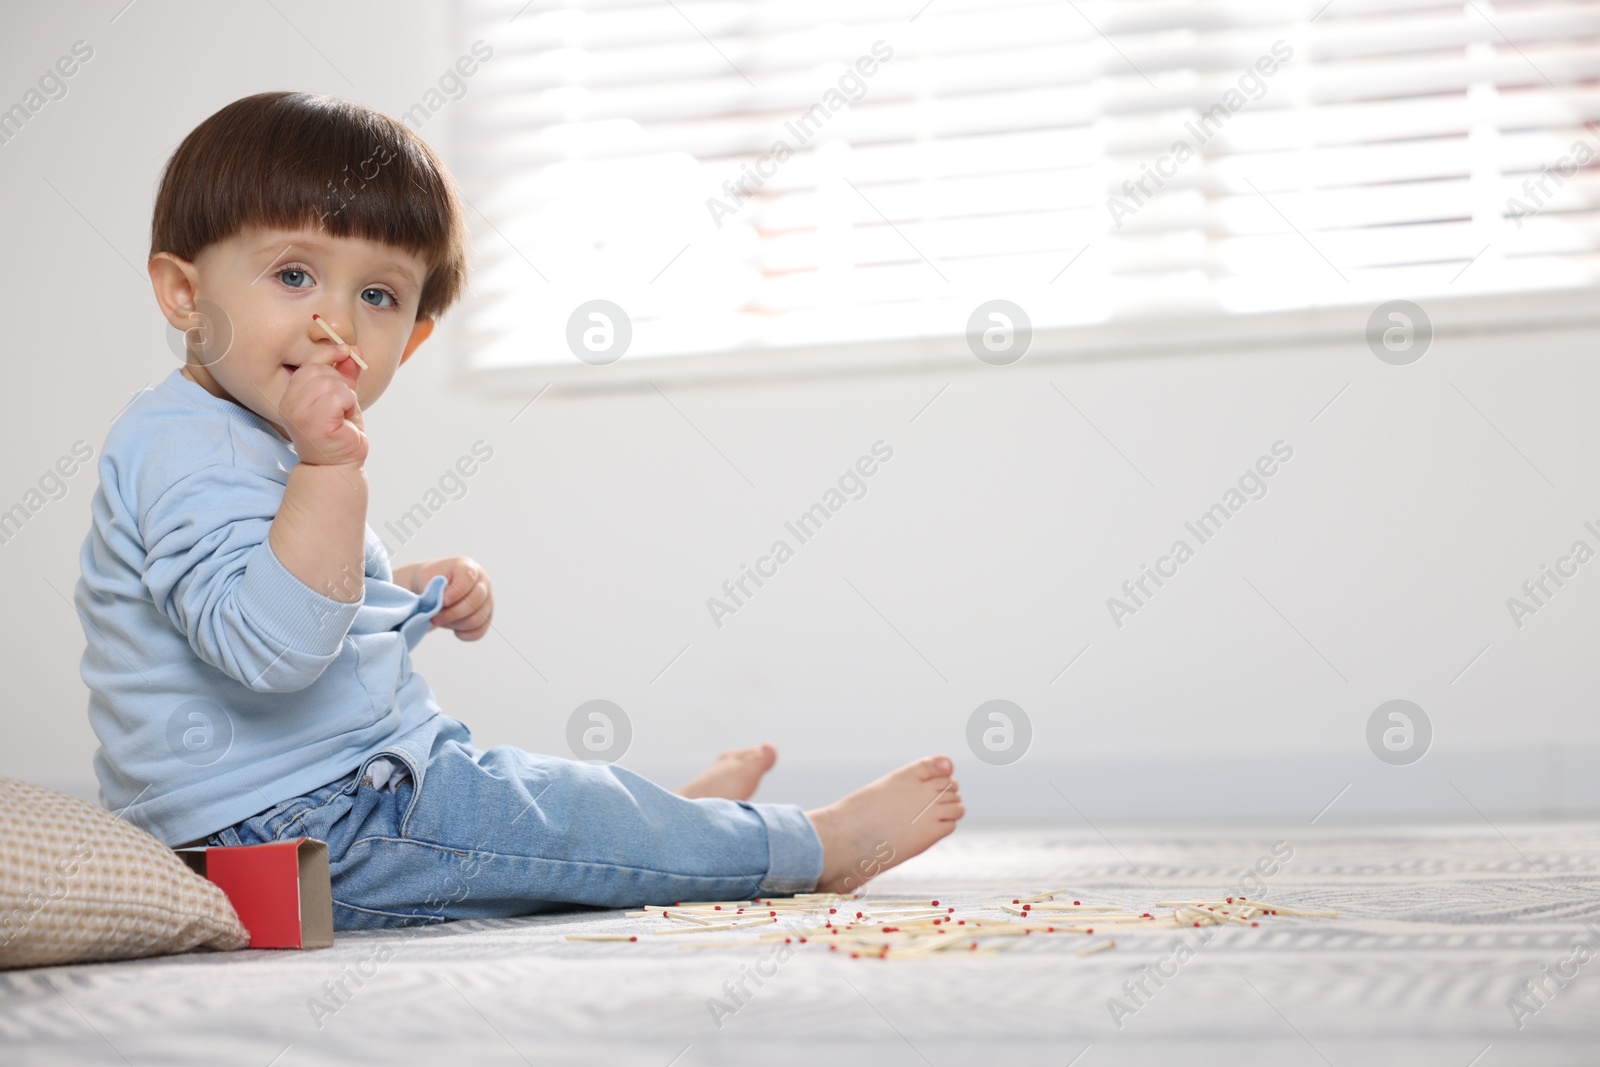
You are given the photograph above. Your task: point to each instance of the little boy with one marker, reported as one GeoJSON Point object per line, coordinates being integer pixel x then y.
{"type": "Point", "coordinates": [248, 640]}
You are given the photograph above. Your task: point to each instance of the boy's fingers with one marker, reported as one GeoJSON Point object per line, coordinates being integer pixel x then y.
{"type": "Point", "coordinates": [464, 606]}
{"type": "Point", "coordinates": [346, 364]}
{"type": "Point", "coordinates": [469, 615]}
{"type": "Point", "coordinates": [461, 582]}
{"type": "Point", "coordinates": [324, 357]}
{"type": "Point", "coordinates": [475, 626]}
{"type": "Point", "coordinates": [339, 360]}
{"type": "Point", "coordinates": [448, 609]}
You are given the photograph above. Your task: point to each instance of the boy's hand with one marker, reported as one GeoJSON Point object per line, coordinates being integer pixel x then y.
{"type": "Point", "coordinates": [468, 600]}
{"type": "Point", "coordinates": [322, 413]}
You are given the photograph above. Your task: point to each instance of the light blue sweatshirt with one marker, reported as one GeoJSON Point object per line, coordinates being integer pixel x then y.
{"type": "Point", "coordinates": [221, 684]}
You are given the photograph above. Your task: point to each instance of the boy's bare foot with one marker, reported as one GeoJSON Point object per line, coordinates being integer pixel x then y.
{"type": "Point", "coordinates": [885, 823]}
{"type": "Point", "coordinates": [734, 774]}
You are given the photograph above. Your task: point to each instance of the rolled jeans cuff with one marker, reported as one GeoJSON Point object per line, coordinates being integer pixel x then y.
{"type": "Point", "coordinates": [794, 852]}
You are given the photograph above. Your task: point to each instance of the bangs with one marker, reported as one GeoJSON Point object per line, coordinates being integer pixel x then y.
{"type": "Point", "coordinates": [293, 160]}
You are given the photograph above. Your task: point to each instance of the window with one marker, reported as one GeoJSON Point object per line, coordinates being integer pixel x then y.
{"type": "Point", "coordinates": [739, 177]}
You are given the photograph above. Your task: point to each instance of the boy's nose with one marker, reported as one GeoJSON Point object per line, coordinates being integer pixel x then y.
{"type": "Point", "coordinates": [330, 335]}
{"type": "Point", "coordinates": [326, 327]}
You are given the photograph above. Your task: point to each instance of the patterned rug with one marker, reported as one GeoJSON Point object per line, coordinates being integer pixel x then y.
{"type": "Point", "coordinates": [1462, 945]}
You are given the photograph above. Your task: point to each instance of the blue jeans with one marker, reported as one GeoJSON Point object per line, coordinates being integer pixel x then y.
{"type": "Point", "coordinates": [502, 832]}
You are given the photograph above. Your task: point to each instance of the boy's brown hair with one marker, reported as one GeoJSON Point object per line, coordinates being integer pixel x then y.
{"type": "Point", "coordinates": [286, 159]}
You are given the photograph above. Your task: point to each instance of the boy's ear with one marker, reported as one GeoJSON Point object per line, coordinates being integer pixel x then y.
{"type": "Point", "coordinates": [419, 333]}
{"type": "Point", "coordinates": [174, 282]}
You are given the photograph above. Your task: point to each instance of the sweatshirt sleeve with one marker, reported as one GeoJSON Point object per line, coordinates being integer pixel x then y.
{"type": "Point", "coordinates": [211, 570]}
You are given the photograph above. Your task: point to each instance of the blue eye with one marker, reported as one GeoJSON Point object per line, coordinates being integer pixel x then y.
{"type": "Point", "coordinates": [374, 296]}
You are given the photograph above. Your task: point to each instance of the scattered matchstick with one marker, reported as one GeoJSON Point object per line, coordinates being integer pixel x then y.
{"type": "Point", "coordinates": [739, 925]}
{"type": "Point", "coordinates": [916, 929]}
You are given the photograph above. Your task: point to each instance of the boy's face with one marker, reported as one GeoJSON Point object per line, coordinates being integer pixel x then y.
{"type": "Point", "coordinates": [259, 289]}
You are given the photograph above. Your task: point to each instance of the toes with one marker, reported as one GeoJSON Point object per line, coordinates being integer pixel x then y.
{"type": "Point", "coordinates": [933, 767]}
{"type": "Point", "coordinates": [763, 753]}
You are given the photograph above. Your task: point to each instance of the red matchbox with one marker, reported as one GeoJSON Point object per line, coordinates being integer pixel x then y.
{"type": "Point", "coordinates": [281, 890]}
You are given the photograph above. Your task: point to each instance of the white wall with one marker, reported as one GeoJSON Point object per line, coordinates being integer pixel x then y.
{"type": "Point", "coordinates": [1389, 543]}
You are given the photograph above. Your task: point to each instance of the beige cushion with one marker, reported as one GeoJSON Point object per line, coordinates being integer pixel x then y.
{"type": "Point", "coordinates": [78, 884]}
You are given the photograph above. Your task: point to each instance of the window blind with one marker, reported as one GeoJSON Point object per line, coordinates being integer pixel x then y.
{"type": "Point", "coordinates": [744, 176]}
